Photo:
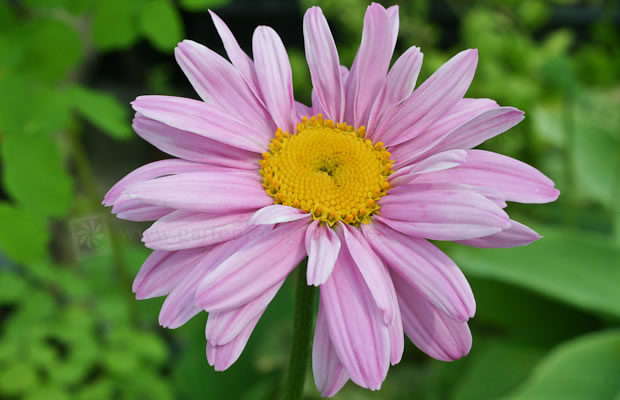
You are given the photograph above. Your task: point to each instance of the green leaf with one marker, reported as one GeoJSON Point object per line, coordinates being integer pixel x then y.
{"type": "Point", "coordinates": [583, 369]}
{"type": "Point", "coordinates": [45, 3]}
{"type": "Point", "coordinates": [161, 23]}
{"type": "Point", "coordinates": [17, 378]}
{"type": "Point", "coordinates": [102, 110]}
{"type": "Point", "coordinates": [23, 237]}
{"type": "Point", "coordinates": [200, 5]}
{"type": "Point", "coordinates": [31, 108]}
{"type": "Point", "coordinates": [12, 287]}
{"type": "Point", "coordinates": [487, 378]}
{"type": "Point", "coordinates": [52, 49]}
{"type": "Point", "coordinates": [114, 24]}
{"type": "Point", "coordinates": [527, 316]}
{"type": "Point", "coordinates": [12, 52]}
{"type": "Point", "coordinates": [579, 269]}
{"type": "Point", "coordinates": [34, 175]}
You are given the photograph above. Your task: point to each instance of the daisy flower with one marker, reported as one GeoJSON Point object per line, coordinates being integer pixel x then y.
{"type": "Point", "coordinates": [358, 183]}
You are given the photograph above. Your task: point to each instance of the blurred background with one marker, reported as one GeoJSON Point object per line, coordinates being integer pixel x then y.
{"type": "Point", "coordinates": [548, 314]}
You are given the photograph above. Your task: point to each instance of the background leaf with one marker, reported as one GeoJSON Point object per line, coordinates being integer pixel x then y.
{"type": "Point", "coordinates": [114, 24]}
{"type": "Point", "coordinates": [199, 5]}
{"type": "Point", "coordinates": [102, 110]}
{"type": "Point", "coordinates": [572, 267]}
{"type": "Point", "coordinates": [583, 369]}
{"type": "Point", "coordinates": [161, 23]}
{"type": "Point", "coordinates": [35, 176]}
{"type": "Point", "coordinates": [23, 237]}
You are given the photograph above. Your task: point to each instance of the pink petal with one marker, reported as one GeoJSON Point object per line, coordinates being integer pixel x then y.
{"type": "Point", "coordinates": [463, 111]}
{"type": "Point", "coordinates": [150, 171]}
{"type": "Point", "coordinates": [442, 213]}
{"type": "Point", "coordinates": [329, 374]}
{"type": "Point", "coordinates": [303, 110]}
{"type": "Point", "coordinates": [237, 56]}
{"type": "Point", "coordinates": [424, 267]}
{"type": "Point", "coordinates": [483, 127]}
{"type": "Point", "coordinates": [515, 236]}
{"type": "Point", "coordinates": [371, 64]}
{"type": "Point", "coordinates": [323, 63]}
{"type": "Point", "coordinates": [516, 180]}
{"type": "Point", "coordinates": [373, 271]}
{"type": "Point", "coordinates": [430, 101]}
{"type": "Point", "coordinates": [275, 77]}
{"type": "Point", "coordinates": [438, 162]}
{"type": "Point", "coordinates": [183, 229]}
{"type": "Point", "coordinates": [398, 86]}
{"type": "Point", "coordinates": [202, 119]}
{"type": "Point", "coordinates": [322, 245]}
{"type": "Point", "coordinates": [392, 13]}
{"type": "Point", "coordinates": [397, 336]}
{"type": "Point", "coordinates": [262, 262]}
{"type": "Point", "coordinates": [193, 147]}
{"type": "Point", "coordinates": [215, 192]}
{"type": "Point", "coordinates": [356, 327]}
{"type": "Point", "coordinates": [429, 329]}
{"type": "Point", "coordinates": [277, 213]}
{"type": "Point", "coordinates": [163, 270]}
{"type": "Point", "coordinates": [137, 210]}
{"type": "Point", "coordinates": [221, 357]}
{"type": "Point", "coordinates": [180, 305]}
{"type": "Point", "coordinates": [218, 82]}
{"type": "Point", "coordinates": [223, 327]}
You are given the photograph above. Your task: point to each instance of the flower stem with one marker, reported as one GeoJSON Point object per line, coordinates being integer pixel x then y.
{"type": "Point", "coordinates": [302, 336]}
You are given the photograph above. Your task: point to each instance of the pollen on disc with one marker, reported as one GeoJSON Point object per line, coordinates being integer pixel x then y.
{"type": "Point", "coordinates": [328, 169]}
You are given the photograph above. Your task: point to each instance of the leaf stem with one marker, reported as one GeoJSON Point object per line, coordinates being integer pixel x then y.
{"type": "Point", "coordinates": [302, 335]}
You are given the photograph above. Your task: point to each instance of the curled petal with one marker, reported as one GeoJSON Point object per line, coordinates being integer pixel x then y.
{"type": "Point", "coordinates": [221, 357]}
{"type": "Point", "coordinates": [373, 271]}
{"type": "Point", "coordinates": [275, 214]}
{"type": "Point", "coordinates": [429, 329]}
{"type": "Point", "coordinates": [223, 327]}
{"type": "Point", "coordinates": [126, 207]}
{"type": "Point", "coordinates": [515, 236]}
{"type": "Point", "coordinates": [438, 162]}
{"type": "Point", "coordinates": [329, 374]}
{"type": "Point", "coordinates": [163, 270]}
{"type": "Point", "coordinates": [322, 245]}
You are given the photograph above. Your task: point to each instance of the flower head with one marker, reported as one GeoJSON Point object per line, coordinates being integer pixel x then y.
{"type": "Point", "coordinates": [357, 183]}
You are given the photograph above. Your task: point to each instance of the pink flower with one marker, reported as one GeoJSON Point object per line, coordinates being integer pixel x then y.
{"type": "Point", "coordinates": [357, 183]}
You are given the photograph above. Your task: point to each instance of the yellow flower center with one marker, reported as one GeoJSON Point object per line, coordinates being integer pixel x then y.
{"type": "Point", "coordinates": [327, 169]}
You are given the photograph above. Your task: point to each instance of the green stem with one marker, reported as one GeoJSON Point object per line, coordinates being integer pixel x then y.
{"type": "Point", "coordinates": [302, 336]}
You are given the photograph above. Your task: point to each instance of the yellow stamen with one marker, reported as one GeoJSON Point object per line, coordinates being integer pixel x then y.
{"type": "Point", "coordinates": [327, 168]}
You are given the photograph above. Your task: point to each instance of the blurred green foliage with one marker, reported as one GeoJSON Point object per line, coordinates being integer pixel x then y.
{"type": "Point", "coordinates": [547, 323]}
